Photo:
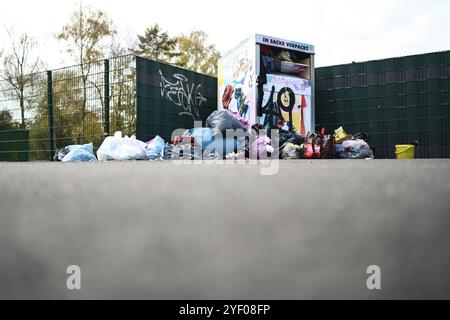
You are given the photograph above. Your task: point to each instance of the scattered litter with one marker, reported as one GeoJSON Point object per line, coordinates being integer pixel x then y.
{"type": "Point", "coordinates": [212, 143]}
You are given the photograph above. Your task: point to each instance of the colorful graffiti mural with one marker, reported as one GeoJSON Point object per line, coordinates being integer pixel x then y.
{"type": "Point", "coordinates": [287, 104]}
{"type": "Point", "coordinates": [236, 81]}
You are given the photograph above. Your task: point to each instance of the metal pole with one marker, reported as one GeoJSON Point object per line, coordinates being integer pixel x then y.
{"type": "Point", "coordinates": [106, 98]}
{"type": "Point", "coordinates": [51, 137]}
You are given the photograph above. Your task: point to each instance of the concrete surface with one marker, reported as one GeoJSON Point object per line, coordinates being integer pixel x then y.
{"type": "Point", "coordinates": [152, 230]}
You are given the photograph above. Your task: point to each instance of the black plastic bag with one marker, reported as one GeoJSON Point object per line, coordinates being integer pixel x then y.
{"type": "Point", "coordinates": [290, 137]}
{"type": "Point", "coordinates": [220, 121]}
{"type": "Point", "coordinates": [361, 136]}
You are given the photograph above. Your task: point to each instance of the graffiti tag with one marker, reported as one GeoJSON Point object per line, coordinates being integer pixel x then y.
{"type": "Point", "coordinates": [273, 116]}
{"type": "Point", "coordinates": [186, 95]}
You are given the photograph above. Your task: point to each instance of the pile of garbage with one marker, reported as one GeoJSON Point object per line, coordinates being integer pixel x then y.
{"type": "Point", "coordinates": [210, 142]}
{"type": "Point", "coordinates": [315, 145]}
{"type": "Point", "coordinates": [213, 143]}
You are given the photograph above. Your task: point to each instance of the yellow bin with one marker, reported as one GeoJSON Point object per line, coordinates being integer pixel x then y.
{"type": "Point", "coordinates": [405, 151]}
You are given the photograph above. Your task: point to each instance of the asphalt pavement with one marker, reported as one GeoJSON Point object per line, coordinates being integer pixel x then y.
{"type": "Point", "coordinates": [163, 230]}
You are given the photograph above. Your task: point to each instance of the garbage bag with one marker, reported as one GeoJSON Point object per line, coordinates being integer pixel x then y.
{"type": "Point", "coordinates": [61, 153]}
{"type": "Point", "coordinates": [340, 135]}
{"type": "Point", "coordinates": [240, 155]}
{"type": "Point", "coordinates": [244, 122]}
{"type": "Point", "coordinates": [155, 148]}
{"type": "Point", "coordinates": [328, 149]}
{"type": "Point", "coordinates": [313, 145]}
{"type": "Point", "coordinates": [285, 55]}
{"type": "Point", "coordinates": [220, 121]}
{"type": "Point", "coordinates": [361, 135]}
{"type": "Point", "coordinates": [224, 145]}
{"type": "Point", "coordinates": [167, 153]}
{"type": "Point", "coordinates": [296, 139]}
{"type": "Point", "coordinates": [290, 137]}
{"type": "Point", "coordinates": [79, 153]}
{"type": "Point", "coordinates": [186, 151]}
{"type": "Point", "coordinates": [354, 149]}
{"type": "Point", "coordinates": [261, 147]}
{"type": "Point", "coordinates": [291, 151]}
{"type": "Point", "coordinates": [118, 148]}
{"type": "Point", "coordinates": [202, 136]}
{"type": "Point", "coordinates": [211, 155]}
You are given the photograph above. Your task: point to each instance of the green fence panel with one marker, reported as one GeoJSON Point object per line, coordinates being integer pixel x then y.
{"type": "Point", "coordinates": [14, 145]}
{"type": "Point", "coordinates": [397, 100]}
{"type": "Point", "coordinates": [170, 98]}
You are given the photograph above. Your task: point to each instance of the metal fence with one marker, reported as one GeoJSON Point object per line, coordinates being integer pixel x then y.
{"type": "Point", "coordinates": [72, 105]}
{"type": "Point", "coordinates": [396, 101]}
{"type": "Point", "coordinates": [170, 98]}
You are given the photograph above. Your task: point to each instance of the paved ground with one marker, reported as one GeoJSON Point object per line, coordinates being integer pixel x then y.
{"type": "Point", "coordinates": [161, 230]}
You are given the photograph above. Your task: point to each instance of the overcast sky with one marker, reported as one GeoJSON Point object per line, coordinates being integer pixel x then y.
{"type": "Point", "coordinates": [342, 31]}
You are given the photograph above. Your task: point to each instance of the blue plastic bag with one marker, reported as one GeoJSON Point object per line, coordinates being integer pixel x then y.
{"type": "Point", "coordinates": [80, 153]}
{"type": "Point", "coordinates": [202, 136]}
{"type": "Point", "coordinates": [155, 148]}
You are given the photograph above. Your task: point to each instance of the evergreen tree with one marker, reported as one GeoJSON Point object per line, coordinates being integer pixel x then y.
{"type": "Point", "coordinates": [156, 45]}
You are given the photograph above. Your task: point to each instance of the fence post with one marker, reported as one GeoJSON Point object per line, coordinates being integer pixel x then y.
{"type": "Point", "coordinates": [51, 137]}
{"type": "Point", "coordinates": [106, 98]}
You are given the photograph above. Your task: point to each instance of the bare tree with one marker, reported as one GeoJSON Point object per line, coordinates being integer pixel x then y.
{"type": "Point", "coordinates": [117, 49]}
{"type": "Point", "coordinates": [19, 68]}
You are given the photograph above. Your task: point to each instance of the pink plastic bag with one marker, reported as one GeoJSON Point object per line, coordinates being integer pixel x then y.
{"type": "Point", "coordinates": [260, 147]}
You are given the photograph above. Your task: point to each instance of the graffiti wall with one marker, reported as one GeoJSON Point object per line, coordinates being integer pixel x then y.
{"type": "Point", "coordinates": [183, 93]}
{"type": "Point", "coordinates": [287, 104]}
{"type": "Point", "coordinates": [236, 81]}
{"type": "Point", "coordinates": [170, 98]}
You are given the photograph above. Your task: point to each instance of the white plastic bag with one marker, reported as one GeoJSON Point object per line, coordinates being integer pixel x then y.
{"type": "Point", "coordinates": [118, 148]}
{"type": "Point", "coordinates": [355, 149]}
